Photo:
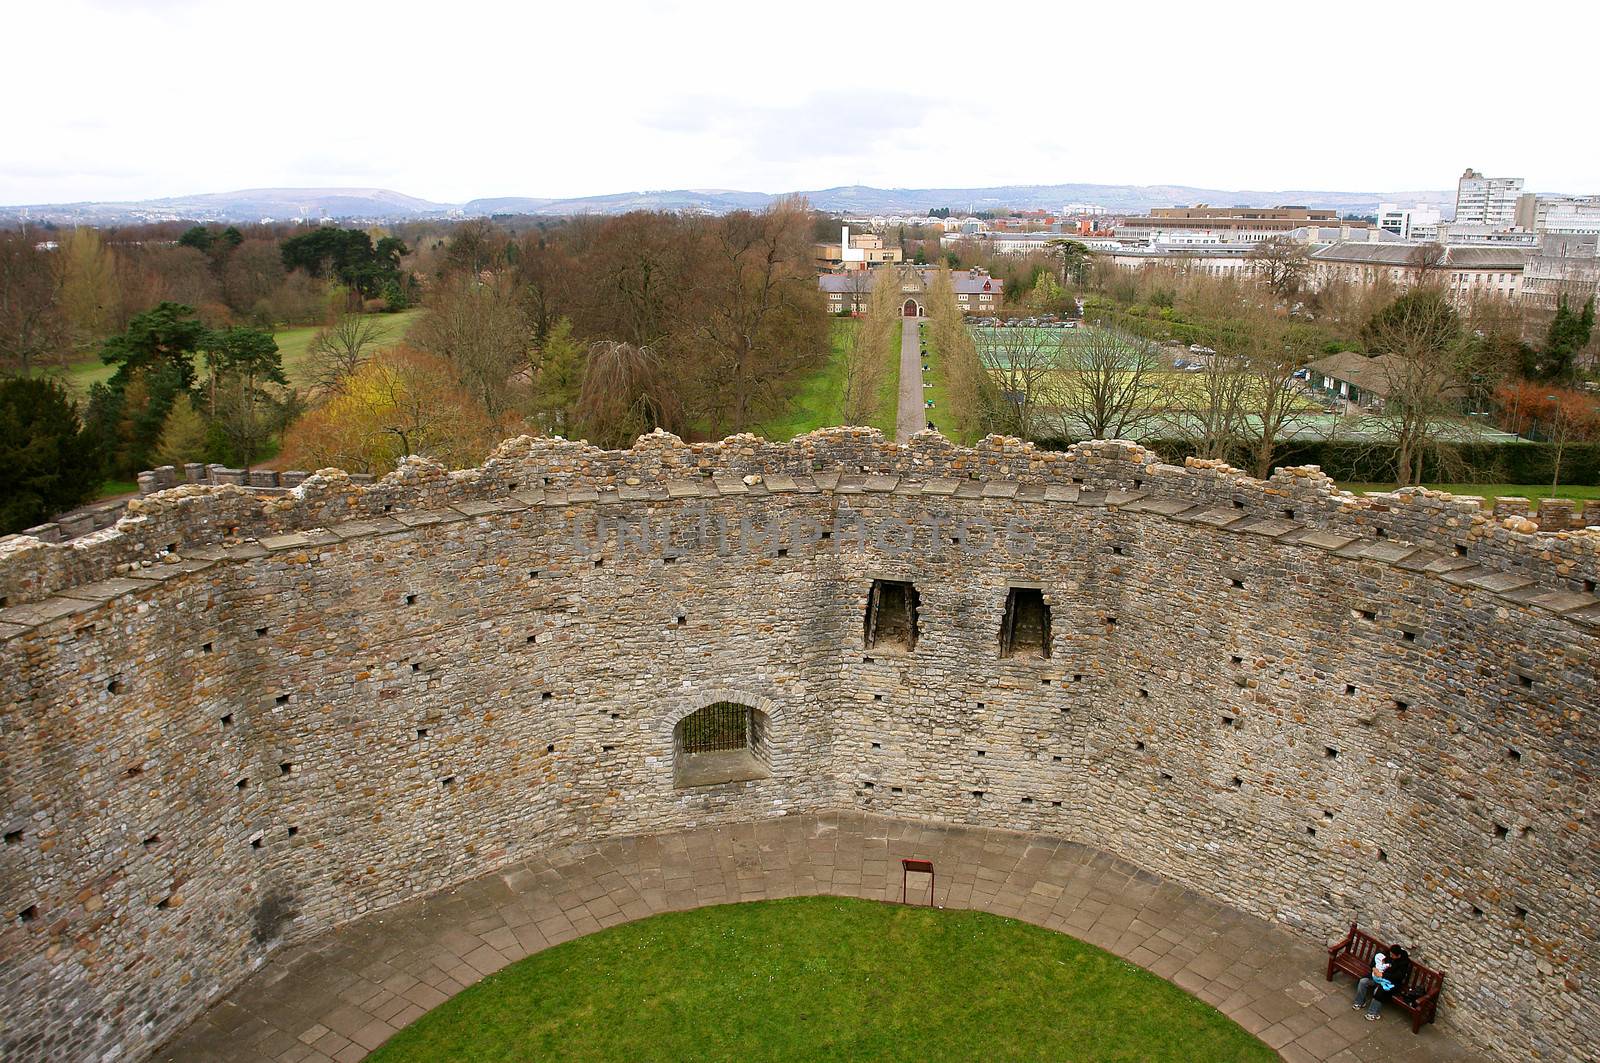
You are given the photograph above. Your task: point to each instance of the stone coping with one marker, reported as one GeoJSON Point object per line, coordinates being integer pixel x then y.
{"type": "Point", "coordinates": [526, 471]}
{"type": "Point", "coordinates": [1582, 607]}
{"type": "Point", "coordinates": [341, 994]}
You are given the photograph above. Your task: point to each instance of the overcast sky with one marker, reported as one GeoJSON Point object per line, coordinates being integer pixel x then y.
{"type": "Point", "coordinates": [453, 99]}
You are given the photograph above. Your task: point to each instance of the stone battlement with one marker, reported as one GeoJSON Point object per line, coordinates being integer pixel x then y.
{"type": "Point", "coordinates": [244, 716]}
{"type": "Point", "coordinates": [1557, 545]}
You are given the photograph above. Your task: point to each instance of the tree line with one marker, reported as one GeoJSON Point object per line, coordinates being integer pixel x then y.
{"type": "Point", "coordinates": [605, 328]}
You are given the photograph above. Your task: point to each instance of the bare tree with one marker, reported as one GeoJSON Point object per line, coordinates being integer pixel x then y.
{"type": "Point", "coordinates": [625, 394]}
{"type": "Point", "coordinates": [1281, 263]}
{"type": "Point", "coordinates": [757, 314]}
{"type": "Point", "coordinates": [872, 348]}
{"type": "Point", "coordinates": [1207, 408]}
{"type": "Point", "coordinates": [970, 391]}
{"type": "Point", "coordinates": [1108, 385]}
{"type": "Point", "coordinates": [31, 325]}
{"type": "Point", "coordinates": [336, 353]}
{"type": "Point", "coordinates": [1275, 405]}
{"type": "Point", "coordinates": [1425, 262]}
{"type": "Point", "coordinates": [1425, 360]}
{"type": "Point", "coordinates": [1023, 362]}
{"type": "Point", "coordinates": [858, 285]}
{"type": "Point", "coordinates": [478, 326]}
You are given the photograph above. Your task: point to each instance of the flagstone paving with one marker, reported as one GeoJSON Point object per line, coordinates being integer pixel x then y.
{"type": "Point", "coordinates": [340, 995]}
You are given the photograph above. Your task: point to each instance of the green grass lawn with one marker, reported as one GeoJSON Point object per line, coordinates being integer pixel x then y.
{"type": "Point", "coordinates": [823, 978]}
{"type": "Point", "coordinates": [819, 400]}
{"type": "Point", "coordinates": [1493, 491]}
{"type": "Point", "coordinates": [292, 344]}
{"type": "Point", "coordinates": [941, 415]}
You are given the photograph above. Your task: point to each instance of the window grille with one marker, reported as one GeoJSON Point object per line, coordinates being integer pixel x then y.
{"type": "Point", "coordinates": [721, 726]}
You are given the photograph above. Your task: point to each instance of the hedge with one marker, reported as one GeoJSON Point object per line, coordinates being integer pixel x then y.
{"type": "Point", "coordinates": [1511, 463]}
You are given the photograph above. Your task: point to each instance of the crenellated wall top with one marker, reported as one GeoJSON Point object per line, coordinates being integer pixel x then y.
{"type": "Point", "coordinates": [194, 522]}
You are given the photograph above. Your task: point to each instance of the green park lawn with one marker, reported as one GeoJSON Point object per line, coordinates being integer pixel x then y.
{"type": "Point", "coordinates": [823, 978]}
{"type": "Point", "coordinates": [819, 400]}
{"type": "Point", "coordinates": [1493, 491]}
{"type": "Point", "coordinates": [293, 344]}
{"type": "Point", "coordinates": [941, 416]}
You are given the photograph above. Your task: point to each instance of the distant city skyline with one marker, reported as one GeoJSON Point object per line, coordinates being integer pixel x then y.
{"type": "Point", "coordinates": [137, 99]}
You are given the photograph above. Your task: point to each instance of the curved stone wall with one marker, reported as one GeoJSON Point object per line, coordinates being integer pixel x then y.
{"type": "Point", "coordinates": [232, 722]}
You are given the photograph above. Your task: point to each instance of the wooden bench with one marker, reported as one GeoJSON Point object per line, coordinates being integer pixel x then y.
{"type": "Point", "coordinates": [1353, 956]}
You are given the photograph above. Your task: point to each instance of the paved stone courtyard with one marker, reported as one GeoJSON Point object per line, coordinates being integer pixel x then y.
{"type": "Point", "coordinates": [341, 995]}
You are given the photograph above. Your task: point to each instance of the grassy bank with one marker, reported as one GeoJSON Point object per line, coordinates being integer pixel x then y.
{"type": "Point", "coordinates": [819, 400]}
{"type": "Point", "coordinates": [293, 344]}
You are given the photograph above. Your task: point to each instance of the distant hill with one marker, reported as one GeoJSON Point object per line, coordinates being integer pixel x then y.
{"type": "Point", "coordinates": [380, 204]}
{"type": "Point", "coordinates": [1118, 198]}
{"type": "Point", "coordinates": [247, 205]}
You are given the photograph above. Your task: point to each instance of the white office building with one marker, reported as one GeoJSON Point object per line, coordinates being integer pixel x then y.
{"type": "Point", "coordinates": [1409, 223]}
{"type": "Point", "coordinates": [1487, 201]}
{"type": "Point", "coordinates": [1564, 215]}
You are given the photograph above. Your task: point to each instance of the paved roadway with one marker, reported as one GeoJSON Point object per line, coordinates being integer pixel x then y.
{"type": "Point", "coordinates": [913, 416]}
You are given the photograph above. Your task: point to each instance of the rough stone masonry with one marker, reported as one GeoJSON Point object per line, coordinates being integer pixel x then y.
{"type": "Point", "coordinates": [233, 721]}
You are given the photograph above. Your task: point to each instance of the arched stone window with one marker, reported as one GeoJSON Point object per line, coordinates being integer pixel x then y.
{"type": "Point", "coordinates": [721, 743]}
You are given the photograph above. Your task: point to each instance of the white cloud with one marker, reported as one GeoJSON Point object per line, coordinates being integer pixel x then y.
{"type": "Point", "coordinates": [115, 99]}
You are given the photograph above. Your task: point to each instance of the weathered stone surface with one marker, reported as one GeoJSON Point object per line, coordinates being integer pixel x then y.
{"type": "Point", "coordinates": [310, 725]}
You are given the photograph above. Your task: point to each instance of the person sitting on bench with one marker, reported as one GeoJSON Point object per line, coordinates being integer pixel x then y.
{"type": "Point", "coordinates": [1388, 977]}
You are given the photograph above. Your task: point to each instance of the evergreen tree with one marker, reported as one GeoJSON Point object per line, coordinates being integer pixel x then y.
{"type": "Point", "coordinates": [558, 378]}
{"type": "Point", "coordinates": [186, 436]}
{"type": "Point", "coordinates": [199, 238]}
{"type": "Point", "coordinates": [155, 365]}
{"type": "Point", "coordinates": [1568, 334]}
{"type": "Point", "coordinates": [47, 461]}
{"type": "Point", "coordinates": [167, 335]}
{"type": "Point", "coordinates": [240, 363]}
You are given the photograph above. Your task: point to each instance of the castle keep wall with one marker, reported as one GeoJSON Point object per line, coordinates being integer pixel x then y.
{"type": "Point", "coordinates": [234, 722]}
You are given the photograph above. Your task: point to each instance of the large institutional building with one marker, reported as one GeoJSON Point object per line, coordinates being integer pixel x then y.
{"type": "Point", "coordinates": [1490, 201]}
{"type": "Point", "coordinates": [863, 251]}
{"type": "Point", "coordinates": [975, 290]}
{"type": "Point", "coordinates": [1202, 225]}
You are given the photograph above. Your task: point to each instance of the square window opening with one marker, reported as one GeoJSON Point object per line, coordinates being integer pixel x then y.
{"type": "Point", "coordinates": [891, 617]}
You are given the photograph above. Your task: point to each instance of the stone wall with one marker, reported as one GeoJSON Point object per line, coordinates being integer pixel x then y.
{"type": "Point", "coordinates": [235, 721]}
